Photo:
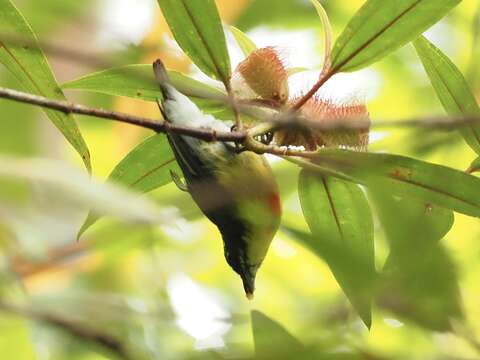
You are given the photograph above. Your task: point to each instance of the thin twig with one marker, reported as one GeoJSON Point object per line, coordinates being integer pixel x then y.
{"type": "Point", "coordinates": [161, 127]}
{"type": "Point", "coordinates": [285, 120]}
{"type": "Point", "coordinates": [56, 257]}
{"type": "Point", "coordinates": [435, 122]}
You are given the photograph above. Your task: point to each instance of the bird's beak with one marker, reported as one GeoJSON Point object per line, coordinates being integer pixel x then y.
{"type": "Point", "coordinates": [248, 278]}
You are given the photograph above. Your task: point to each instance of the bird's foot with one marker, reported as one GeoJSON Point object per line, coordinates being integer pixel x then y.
{"type": "Point", "coordinates": [178, 181]}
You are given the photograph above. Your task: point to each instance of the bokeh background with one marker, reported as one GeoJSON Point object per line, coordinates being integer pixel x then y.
{"type": "Point", "coordinates": [164, 291]}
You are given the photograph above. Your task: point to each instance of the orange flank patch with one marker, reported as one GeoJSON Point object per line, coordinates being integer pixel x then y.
{"type": "Point", "coordinates": [275, 203]}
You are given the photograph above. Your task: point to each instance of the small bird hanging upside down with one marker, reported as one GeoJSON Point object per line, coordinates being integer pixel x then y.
{"type": "Point", "coordinates": [236, 191]}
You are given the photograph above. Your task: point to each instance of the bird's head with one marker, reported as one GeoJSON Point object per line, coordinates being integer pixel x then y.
{"type": "Point", "coordinates": [248, 272]}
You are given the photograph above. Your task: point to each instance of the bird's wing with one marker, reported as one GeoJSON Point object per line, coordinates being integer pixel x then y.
{"type": "Point", "coordinates": [197, 159]}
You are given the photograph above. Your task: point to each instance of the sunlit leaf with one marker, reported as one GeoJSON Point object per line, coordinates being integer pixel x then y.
{"type": "Point", "coordinates": [137, 81]}
{"type": "Point", "coordinates": [380, 27]}
{"type": "Point", "coordinates": [403, 176]}
{"type": "Point", "coordinates": [145, 168]}
{"type": "Point", "coordinates": [198, 30]}
{"type": "Point", "coordinates": [451, 87]}
{"type": "Point", "coordinates": [23, 57]}
{"type": "Point", "coordinates": [271, 338]}
{"type": "Point", "coordinates": [340, 220]}
{"type": "Point", "coordinates": [244, 42]}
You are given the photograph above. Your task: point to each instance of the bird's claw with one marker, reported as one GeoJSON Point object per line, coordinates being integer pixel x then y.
{"type": "Point", "coordinates": [238, 146]}
{"type": "Point", "coordinates": [178, 181]}
{"type": "Point", "coordinates": [265, 139]}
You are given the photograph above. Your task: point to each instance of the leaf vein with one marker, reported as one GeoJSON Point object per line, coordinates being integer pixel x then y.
{"type": "Point", "coordinates": [376, 36]}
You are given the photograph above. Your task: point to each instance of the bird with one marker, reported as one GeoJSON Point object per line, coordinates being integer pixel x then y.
{"type": "Point", "coordinates": [236, 191]}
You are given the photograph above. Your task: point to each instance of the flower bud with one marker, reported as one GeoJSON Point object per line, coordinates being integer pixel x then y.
{"type": "Point", "coordinates": [322, 114]}
{"type": "Point", "coordinates": [265, 75]}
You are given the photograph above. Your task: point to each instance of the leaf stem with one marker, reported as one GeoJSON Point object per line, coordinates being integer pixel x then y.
{"type": "Point", "coordinates": [324, 77]}
{"type": "Point", "coordinates": [233, 103]}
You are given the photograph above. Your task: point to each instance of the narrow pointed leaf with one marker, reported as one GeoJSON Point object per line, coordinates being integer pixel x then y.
{"type": "Point", "coordinates": [340, 220]}
{"type": "Point", "coordinates": [419, 280]}
{"type": "Point", "coordinates": [474, 166]}
{"type": "Point", "coordinates": [381, 27]}
{"type": "Point", "coordinates": [244, 42]}
{"type": "Point", "coordinates": [271, 338]}
{"type": "Point", "coordinates": [145, 168]}
{"type": "Point", "coordinates": [197, 27]}
{"type": "Point", "coordinates": [451, 87]}
{"type": "Point", "coordinates": [408, 223]}
{"type": "Point", "coordinates": [327, 28]}
{"type": "Point", "coordinates": [21, 54]}
{"type": "Point", "coordinates": [423, 288]}
{"type": "Point", "coordinates": [137, 81]}
{"type": "Point", "coordinates": [406, 177]}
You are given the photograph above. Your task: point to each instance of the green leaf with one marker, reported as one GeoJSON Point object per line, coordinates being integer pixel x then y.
{"type": "Point", "coordinates": [137, 81]}
{"type": "Point", "coordinates": [474, 166]}
{"type": "Point", "coordinates": [451, 87]}
{"type": "Point", "coordinates": [246, 44]}
{"type": "Point", "coordinates": [145, 168]}
{"type": "Point", "coordinates": [327, 28]}
{"type": "Point", "coordinates": [272, 338]}
{"type": "Point", "coordinates": [23, 57]}
{"type": "Point", "coordinates": [408, 223]}
{"type": "Point", "coordinates": [380, 27]}
{"type": "Point", "coordinates": [406, 177]}
{"type": "Point", "coordinates": [197, 27]}
{"type": "Point", "coordinates": [423, 288]}
{"type": "Point", "coordinates": [340, 220]}
{"type": "Point", "coordinates": [418, 280]}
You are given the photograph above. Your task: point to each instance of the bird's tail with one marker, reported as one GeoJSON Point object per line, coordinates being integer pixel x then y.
{"type": "Point", "coordinates": [162, 78]}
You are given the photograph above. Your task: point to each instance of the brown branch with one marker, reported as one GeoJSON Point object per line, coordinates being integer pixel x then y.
{"type": "Point", "coordinates": [55, 258]}
{"type": "Point", "coordinates": [286, 120]}
{"type": "Point", "coordinates": [435, 122]}
{"type": "Point", "coordinates": [160, 127]}
{"type": "Point", "coordinates": [80, 331]}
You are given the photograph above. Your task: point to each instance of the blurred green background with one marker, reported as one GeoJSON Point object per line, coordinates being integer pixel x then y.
{"type": "Point", "coordinates": [165, 291]}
